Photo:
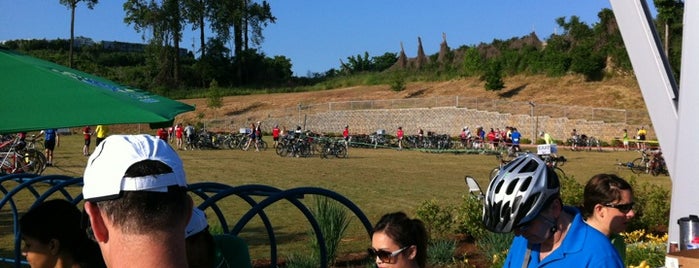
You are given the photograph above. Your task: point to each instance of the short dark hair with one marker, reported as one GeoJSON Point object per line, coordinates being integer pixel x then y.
{"type": "Point", "coordinates": [59, 219]}
{"type": "Point", "coordinates": [140, 212]}
{"type": "Point", "coordinates": [405, 232]}
{"type": "Point", "coordinates": [603, 189]}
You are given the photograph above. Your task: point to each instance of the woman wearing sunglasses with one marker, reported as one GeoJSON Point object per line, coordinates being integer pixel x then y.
{"type": "Point", "coordinates": [608, 207]}
{"type": "Point", "coordinates": [524, 197]}
{"type": "Point", "coordinates": [399, 242]}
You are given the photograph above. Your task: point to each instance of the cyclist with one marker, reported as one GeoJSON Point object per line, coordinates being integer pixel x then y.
{"type": "Point", "coordinates": [515, 136]}
{"type": "Point", "coordinates": [51, 141]}
{"type": "Point", "coordinates": [275, 135]}
{"type": "Point", "coordinates": [189, 134]}
{"type": "Point", "coordinates": [547, 233]}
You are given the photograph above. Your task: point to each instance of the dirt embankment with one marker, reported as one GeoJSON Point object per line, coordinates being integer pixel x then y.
{"type": "Point", "coordinates": [621, 93]}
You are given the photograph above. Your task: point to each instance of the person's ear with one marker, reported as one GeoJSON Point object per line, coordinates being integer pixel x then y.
{"type": "Point", "coordinates": [599, 210]}
{"type": "Point", "coordinates": [99, 228]}
{"type": "Point", "coordinates": [54, 246]}
{"type": "Point", "coordinates": [413, 252]}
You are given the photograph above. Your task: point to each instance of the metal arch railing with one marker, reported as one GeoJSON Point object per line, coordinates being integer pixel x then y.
{"type": "Point", "coordinates": [58, 183]}
{"type": "Point", "coordinates": [291, 195]}
{"type": "Point", "coordinates": [209, 192]}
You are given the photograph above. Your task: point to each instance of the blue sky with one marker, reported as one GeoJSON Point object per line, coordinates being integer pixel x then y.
{"type": "Point", "coordinates": [317, 34]}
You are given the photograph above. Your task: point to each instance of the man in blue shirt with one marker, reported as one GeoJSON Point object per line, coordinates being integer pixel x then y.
{"type": "Point", "coordinates": [51, 141]}
{"type": "Point", "coordinates": [515, 136]}
{"type": "Point", "coordinates": [547, 234]}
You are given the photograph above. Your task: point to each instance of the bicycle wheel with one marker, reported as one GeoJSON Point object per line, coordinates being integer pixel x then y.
{"type": "Point", "coordinates": [282, 149]}
{"type": "Point", "coordinates": [262, 145]}
{"type": "Point", "coordinates": [341, 152]}
{"type": "Point", "coordinates": [638, 166]}
{"type": "Point", "coordinates": [325, 150]}
{"type": "Point", "coordinates": [33, 162]}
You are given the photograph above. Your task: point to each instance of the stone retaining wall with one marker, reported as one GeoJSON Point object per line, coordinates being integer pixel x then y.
{"type": "Point", "coordinates": [443, 120]}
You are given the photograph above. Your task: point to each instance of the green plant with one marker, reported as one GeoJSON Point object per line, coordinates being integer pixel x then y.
{"type": "Point", "coordinates": [495, 246]}
{"type": "Point", "coordinates": [468, 217]}
{"type": "Point", "coordinates": [333, 221]}
{"type": "Point", "coordinates": [441, 251]}
{"type": "Point", "coordinates": [571, 192]}
{"type": "Point", "coordinates": [653, 207]}
{"type": "Point", "coordinates": [642, 246]}
{"type": "Point", "coordinates": [397, 82]}
{"type": "Point", "coordinates": [437, 219]}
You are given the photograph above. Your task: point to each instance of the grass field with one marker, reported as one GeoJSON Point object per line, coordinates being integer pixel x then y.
{"type": "Point", "coordinates": [376, 180]}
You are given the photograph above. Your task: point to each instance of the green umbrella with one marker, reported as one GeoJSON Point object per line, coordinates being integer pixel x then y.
{"type": "Point", "coordinates": [38, 94]}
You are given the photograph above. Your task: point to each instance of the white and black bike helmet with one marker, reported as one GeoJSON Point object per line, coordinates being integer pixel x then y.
{"type": "Point", "coordinates": [518, 193]}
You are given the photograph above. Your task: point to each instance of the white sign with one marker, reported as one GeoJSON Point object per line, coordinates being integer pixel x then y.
{"type": "Point", "coordinates": [546, 149]}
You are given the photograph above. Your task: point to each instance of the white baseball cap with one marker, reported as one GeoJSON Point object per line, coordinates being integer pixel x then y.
{"type": "Point", "coordinates": [104, 174]}
{"type": "Point", "coordinates": [197, 223]}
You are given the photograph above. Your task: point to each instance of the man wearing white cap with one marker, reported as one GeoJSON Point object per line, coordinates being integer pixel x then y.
{"type": "Point", "coordinates": [136, 197]}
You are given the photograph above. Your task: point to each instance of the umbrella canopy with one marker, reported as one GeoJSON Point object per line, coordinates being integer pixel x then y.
{"type": "Point", "coordinates": [38, 94]}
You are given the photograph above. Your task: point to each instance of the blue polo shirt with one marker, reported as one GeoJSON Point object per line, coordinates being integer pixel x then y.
{"type": "Point", "coordinates": [583, 246]}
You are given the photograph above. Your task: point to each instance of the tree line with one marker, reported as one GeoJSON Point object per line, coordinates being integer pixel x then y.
{"type": "Point", "coordinates": [594, 51]}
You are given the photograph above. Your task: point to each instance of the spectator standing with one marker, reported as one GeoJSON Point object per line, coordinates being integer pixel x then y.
{"type": "Point", "coordinates": [491, 136]}
{"type": "Point", "coordinates": [170, 133]}
{"type": "Point", "coordinates": [399, 241]}
{"type": "Point", "coordinates": [642, 137]}
{"type": "Point", "coordinates": [275, 135]}
{"type": "Point", "coordinates": [547, 233]}
{"type": "Point", "coordinates": [189, 133]}
{"type": "Point", "coordinates": [608, 207]}
{"type": "Point", "coordinates": [547, 137]}
{"type": "Point", "coordinates": [51, 141]}
{"type": "Point", "coordinates": [53, 237]}
{"type": "Point", "coordinates": [345, 135]}
{"type": "Point", "coordinates": [101, 132]}
{"type": "Point", "coordinates": [179, 132]}
{"type": "Point", "coordinates": [399, 136]}
{"type": "Point", "coordinates": [625, 140]}
{"type": "Point", "coordinates": [574, 139]}
{"type": "Point", "coordinates": [162, 134]}
{"type": "Point", "coordinates": [252, 137]}
{"type": "Point", "coordinates": [87, 135]}
{"type": "Point", "coordinates": [137, 202]}
{"type": "Point", "coordinates": [515, 136]}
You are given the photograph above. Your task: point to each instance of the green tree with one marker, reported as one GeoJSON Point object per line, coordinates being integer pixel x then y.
{"type": "Point", "coordinates": [240, 16]}
{"type": "Point", "coordinates": [384, 61]}
{"type": "Point", "coordinates": [669, 20]}
{"type": "Point", "coordinates": [493, 76]}
{"type": "Point", "coordinates": [197, 12]}
{"type": "Point", "coordinates": [72, 4]}
{"type": "Point", "coordinates": [473, 62]}
{"type": "Point", "coordinates": [165, 21]}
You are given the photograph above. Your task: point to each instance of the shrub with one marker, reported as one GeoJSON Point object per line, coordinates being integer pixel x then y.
{"type": "Point", "coordinates": [652, 209]}
{"type": "Point", "coordinates": [571, 192]}
{"type": "Point", "coordinates": [468, 217]}
{"type": "Point", "coordinates": [397, 83]}
{"type": "Point", "coordinates": [438, 220]}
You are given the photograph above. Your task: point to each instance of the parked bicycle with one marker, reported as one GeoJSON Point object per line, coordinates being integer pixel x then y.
{"type": "Point", "coordinates": [333, 148]}
{"type": "Point", "coordinates": [638, 165]}
{"type": "Point", "coordinates": [23, 160]}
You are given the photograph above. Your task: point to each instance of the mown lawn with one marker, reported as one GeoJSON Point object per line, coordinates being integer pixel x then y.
{"type": "Point", "coordinates": [376, 180]}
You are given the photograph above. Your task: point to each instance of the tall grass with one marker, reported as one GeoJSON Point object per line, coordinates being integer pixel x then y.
{"type": "Point", "coordinates": [333, 221]}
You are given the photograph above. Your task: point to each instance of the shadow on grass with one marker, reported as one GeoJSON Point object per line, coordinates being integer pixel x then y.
{"type": "Point", "coordinates": [512, 92]}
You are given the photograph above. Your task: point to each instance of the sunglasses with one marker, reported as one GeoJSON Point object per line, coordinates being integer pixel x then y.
{"type": "Point", "coordinates": [623, 208]}
{"type": "Point", "coordinates": [384, 256]}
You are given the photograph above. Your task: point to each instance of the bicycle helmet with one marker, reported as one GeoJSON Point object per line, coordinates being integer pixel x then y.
{"type": "Point", "coordinates": [518, 192]}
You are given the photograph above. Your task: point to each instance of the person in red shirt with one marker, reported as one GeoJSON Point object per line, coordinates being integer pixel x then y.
{"type": "Point", "coordinates": [491, 136]}
{"type": "Point", "coordinates": [162, 134]}
{"type": "Point", "coordinates": [275, 135]}
{"type": "Point", "coordinates": [87, 133]}
{"type": "Point", "coordinates": [179, 131]}
{"type": "Point", "coordinates": [399, 136]}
